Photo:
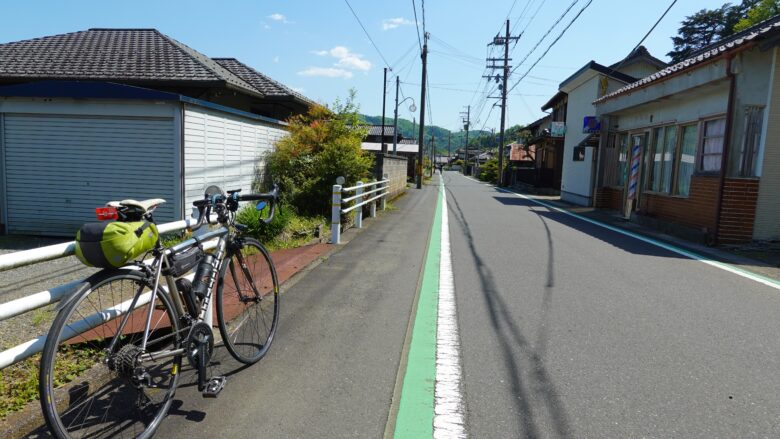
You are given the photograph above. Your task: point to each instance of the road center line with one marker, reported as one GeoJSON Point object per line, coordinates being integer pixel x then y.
{"type": "Point", "coordinates": [449, 407]}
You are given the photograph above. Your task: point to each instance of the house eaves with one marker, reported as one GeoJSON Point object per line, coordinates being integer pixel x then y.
{"type": "Point", "coordinates": [723, 48]}
{"type": "Point", "coordinates": [273, 90]}
{"type": "Point", "coordinates": [588, 71]}
{"type": "Point", "coordinates": [554, 100]}
{"type": "Point", "coordinates": [133, 56]}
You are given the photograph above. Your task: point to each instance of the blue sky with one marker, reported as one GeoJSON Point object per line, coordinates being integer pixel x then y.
{"type": "Point", "coordinates": [318, 47]}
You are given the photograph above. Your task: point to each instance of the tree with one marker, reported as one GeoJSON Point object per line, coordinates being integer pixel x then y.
{"type": "Point", "coordinates": [323, 144]}
{"type": "Point", "coordinates": [698, 30]}
{"type": "Point", "coordinates": [710, 25]}
{"type": "Point", "coordinates": [761, 10]}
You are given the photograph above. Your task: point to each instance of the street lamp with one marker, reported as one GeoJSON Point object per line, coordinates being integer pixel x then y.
{"type": "Point", "coordinates": [412, 108]}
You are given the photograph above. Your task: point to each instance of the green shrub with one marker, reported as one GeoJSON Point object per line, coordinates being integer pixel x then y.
{"type": "Point", "coordinates": [323, 144]}
{"type": "Point", "coordinates": [249, 216]}
{"type": "Point", "coordinates": [489, 171]}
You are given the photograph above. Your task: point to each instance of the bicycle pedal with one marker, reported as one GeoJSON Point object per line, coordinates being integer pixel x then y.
{"type": "Point", "coordinates": [214, 386]}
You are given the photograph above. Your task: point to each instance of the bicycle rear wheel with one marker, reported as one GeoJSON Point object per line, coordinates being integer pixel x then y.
{"type": "Point", "coordinates": [90, 389]}
{"type": "Point", "coordinates": [248, 301]}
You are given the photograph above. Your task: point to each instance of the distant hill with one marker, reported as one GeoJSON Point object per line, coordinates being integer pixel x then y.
{"type": "Point", "coordinates": [407, 129]}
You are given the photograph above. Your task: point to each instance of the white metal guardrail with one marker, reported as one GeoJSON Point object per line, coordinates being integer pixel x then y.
{"type": "Point", "coordinates": [379, 187]}
{"type": "Point", "coordinates": [34, 301]}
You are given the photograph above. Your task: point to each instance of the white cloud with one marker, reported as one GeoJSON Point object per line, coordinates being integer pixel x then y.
{"type": "Point", "coordinates": [392, 23]}
{"type": "Point", "coordinates": [328, 72]}
{"type": "Point", "coordinates": [346, 59]}
{"type": "Point", "coordinates": [278, 17]}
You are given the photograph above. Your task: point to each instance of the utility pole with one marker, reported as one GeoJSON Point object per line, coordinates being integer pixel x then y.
{"type": "Point", "coordinates": [502, 41]}
{"type": "Point", "coordinates": [449, 152]}
{"type": "Point", "coordinates": [466, 124]}
{"type": "Point", "coordinates": [422, 108]}
{"type": "Point", "coordinates": [433, 154]}
{"type": "Point", "coordinates": [384, 96]}
{"type": "Point", "coordinates": [395, 119]}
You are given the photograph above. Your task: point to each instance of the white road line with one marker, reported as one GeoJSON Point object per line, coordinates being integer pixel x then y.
{"type": "Point", "coordinates": [688, 254]}
{"type": "Point", "coordinates": [449, 408]}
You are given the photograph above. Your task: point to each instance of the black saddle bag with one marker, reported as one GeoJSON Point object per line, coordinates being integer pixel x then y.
{"type": "Point", "coordinates": [183, 262]}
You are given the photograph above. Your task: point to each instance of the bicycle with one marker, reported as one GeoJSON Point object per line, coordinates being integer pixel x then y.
{"type": "Point", "coordinates": [113, 356]}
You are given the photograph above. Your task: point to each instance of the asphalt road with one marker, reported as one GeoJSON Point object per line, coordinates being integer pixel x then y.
{"type": "Point", "coordinates": [573, 331]}
{"type": "Point", "coordinates": [332, 369]}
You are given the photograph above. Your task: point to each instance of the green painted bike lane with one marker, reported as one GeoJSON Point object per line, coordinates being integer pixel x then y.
{"type": "Point", "coordinates": [416, 406]}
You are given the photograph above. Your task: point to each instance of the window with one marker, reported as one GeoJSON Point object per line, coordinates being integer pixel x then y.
{"type": "Point", "coordinates": [660, 160]}
{"type": "Point", "coordinates": [687, 160]}
{"type": "Point", "coordinates": [579, 154]}
{"type": "Point", "coordinates": [712, 145]}
{"type": "Point", "coordinates": [754, 122]}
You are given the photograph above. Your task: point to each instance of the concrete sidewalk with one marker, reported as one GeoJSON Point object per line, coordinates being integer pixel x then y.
{"type": "Point", "coordinates": [332, 369]}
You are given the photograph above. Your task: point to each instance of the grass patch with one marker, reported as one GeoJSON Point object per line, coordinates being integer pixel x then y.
{"type": "Point", "coordinates": [41, 316]}
{"type": "Point", "coordinates": [288, 229]}
{"type": "Point", "coordinates": [172, 238]}
{"type": "Point", "coordinates": [19, 382]}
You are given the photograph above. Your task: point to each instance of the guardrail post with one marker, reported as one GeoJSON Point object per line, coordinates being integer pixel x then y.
{"type": "Point", "coordinates": [373, 204]}
{"type": "Point", "coordinates": [335, 221]}
{"type": "Point", "coordinates": [359, 210]}
{"type": "Point", "coordinates": [385, 186]}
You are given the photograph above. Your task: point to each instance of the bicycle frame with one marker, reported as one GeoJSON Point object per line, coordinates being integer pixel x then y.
{"type": "Point", "coordinates": [163, 260]}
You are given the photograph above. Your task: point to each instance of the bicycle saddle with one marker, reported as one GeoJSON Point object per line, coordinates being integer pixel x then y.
{"type": "Point", "coordinates": [144, 205]}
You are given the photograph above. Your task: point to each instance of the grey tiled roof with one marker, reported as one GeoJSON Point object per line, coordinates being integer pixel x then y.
{"type": "Point", "coordinates": [376, 130]}
{"type": "Point", "coordinates": [705, 54]}
{"type": "Point", "coordinates": [136, 55]}
{"type": "Point", "coordinates": [261, 82]}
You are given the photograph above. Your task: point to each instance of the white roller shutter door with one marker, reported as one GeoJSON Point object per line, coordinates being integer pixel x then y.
{"type": "Point", "coordinates": [59, 168]}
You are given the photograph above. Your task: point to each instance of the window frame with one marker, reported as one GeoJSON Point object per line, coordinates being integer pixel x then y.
{"type": "Point", "coordinates": [702, 138]}
{"type": "Point", "coordinates": [675, 160]}
{"type": "Point", "coordinates": [748, 159]}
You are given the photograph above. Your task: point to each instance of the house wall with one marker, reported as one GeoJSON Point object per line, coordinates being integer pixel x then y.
{"type": "Point", "coordinates": [639, 70]}
{"type": "Point", "coordinates": [71, 155]}
{"type": "Point", "coordinates": [223, 149]}
{"type": "Point", "coordinates": [742, 200]}
{"type": "Point", "coordinates": [706, 74]}
{"type": "Point", "coordinates": [699, 103]}
{"type": "Point", "coordinates": [738, 211]}
{"type": "Point", "coordinates": [767, 223]}
{"type": "Point", "coordinates": [752, 71]}
{"type": "Point", "coordinates": [698, 210]}
{"type": "Point", "coordinates": [577, 176]}
{"type": "Point", "coordinates": [575, 183]}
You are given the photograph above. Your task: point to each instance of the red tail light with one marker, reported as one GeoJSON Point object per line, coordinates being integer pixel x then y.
{"type": "Point", "coordinates": [106, 213]}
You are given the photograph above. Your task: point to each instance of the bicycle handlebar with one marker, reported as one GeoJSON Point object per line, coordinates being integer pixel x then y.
{"type": "Point", "coordinates": [231, 201]}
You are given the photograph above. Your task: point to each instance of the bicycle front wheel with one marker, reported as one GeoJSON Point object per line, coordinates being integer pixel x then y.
{"type": "Point", "coordinates": [248, 301]}
{"type": "Point", "coordinates": [95, 379]}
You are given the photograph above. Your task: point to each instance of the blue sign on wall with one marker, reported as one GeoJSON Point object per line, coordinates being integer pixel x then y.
{"type": "Point", "coordinates": [591, 124]}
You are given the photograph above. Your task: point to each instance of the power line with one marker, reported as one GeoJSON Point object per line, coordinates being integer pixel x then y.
{"type": "Point", "coordinates": [538, 43]}
{"type": "Point", "coordinates": [417, 26]}
{"type": "Point", "coordinates": [646, 35]}
{"type": "Point", "coordinates": [369, 36]}
{"type": "Point", "coordinates": [552, 44]}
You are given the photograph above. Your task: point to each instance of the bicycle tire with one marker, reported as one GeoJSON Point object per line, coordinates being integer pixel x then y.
{"type": "Point", "coordinates": [247, 325]}
{"type": "Point", "coordinates": [78, 374]}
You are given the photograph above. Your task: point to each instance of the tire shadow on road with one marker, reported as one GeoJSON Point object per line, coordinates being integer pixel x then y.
{"type": "Point", "coordinates": [503, 322]}
{"type": "Point", "coordinates": [625, 243]}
